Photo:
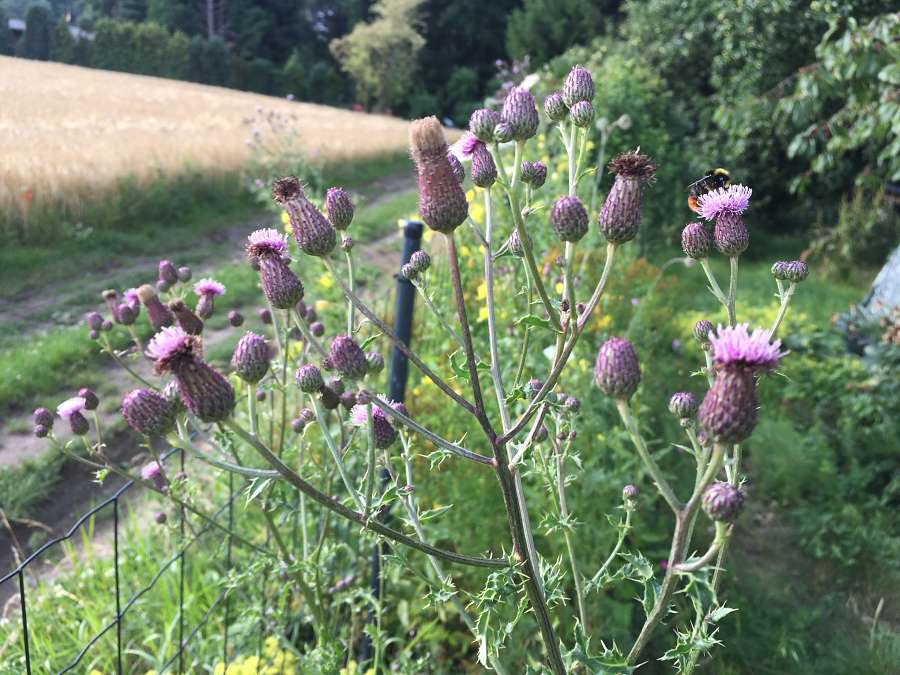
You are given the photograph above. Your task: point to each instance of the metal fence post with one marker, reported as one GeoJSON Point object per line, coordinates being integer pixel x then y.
{"type": "Point", "coordinates": [399, 368]}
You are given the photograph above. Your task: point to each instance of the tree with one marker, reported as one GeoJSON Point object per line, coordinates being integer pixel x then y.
{"type": "Point", "coordinates": [5, 37]}
{"type": "Point", "coordinates": [542, 29]}
{"type": "Point", "coordinates": [132, 10]}
{"type": "Point", "coordinates": [62, 44]}
{"type": "Point", "coordinates": [380, 56]}
{"type": "Point", "coordinates": [36, 40]}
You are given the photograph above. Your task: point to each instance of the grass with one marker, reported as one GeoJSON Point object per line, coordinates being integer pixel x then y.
{"type": "Point", "coordinates": [72, 135]}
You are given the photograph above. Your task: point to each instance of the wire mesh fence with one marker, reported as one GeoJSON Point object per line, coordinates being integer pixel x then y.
{"type": "Point", "coordinates": [241, 618]}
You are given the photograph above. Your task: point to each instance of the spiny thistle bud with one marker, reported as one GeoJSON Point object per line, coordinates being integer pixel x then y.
{"type": "Point", "coordinates": [43, 417]}
{"type": "Point", "coordinates": [306, 415]}
{"type": "Point", "coordinates": [629, 492]}
{"type": "Point", "coordinates": [41, 431]}
{"type": "Point", "coordinates": [337, 384]}
{"type": "Point", "coordinates": [503, 133]}
{"type": "Point", "coordinates": [329, 398]}
{"type": "Point", "coordinates": [617, 372]}
{"type": "Point", "coordinates": [515, 244]}
{"type": "Point", "coordinates": [204, 391]}
{"type": "Point", "coordinates": [298, 425]}
{"type": "Point", "coordinates": [168, 272]}
{"type": "Point", "coordinates": [265, 316]}
{"type": "Point", "coordinates": [346, 243]}
{"type": "Point", "coordinates": [375, 361]}
{"type": "Point", "coordinates": [163, 286]}
{"type": "Point", "coordinates": [160, 518]}
{"type": "Point", "coordinates": [317, 328]}
{"type": "Point", "coordinates": [442, 202]}
{"type": "Point", "coordinates": [520, 113]}
{"type": "Point", "coordinates": [91, 402]}
{"type": "Point", "coordinates": [569, 219]}
{"type": "Point", "coordinates": [189, 322]}
{"type": "Point", "coordinates": [572, 404]}
{"type": "Point", "coordinates": [348, 400]}
{"type": "Point", "coordinates": [94, 320]}
{"type": "Point", "coordinates": [348, 358]}
{"type": "Point", "coordinates": [702, 329]}
{"type": "Point", "coordinates": [555, 108]}
{"type": "Point", "coordinates": [159, 315]}
{"type": "Point", "coordinates": [541, 434]}
{"type": "Point", "coordinates": [251, 358]}
{"type": "Point", "coordinates": [457, 167]}
{"type": "Point", "coordinates": [309, 379]}
{"type": "Point", "coordinates": [407, 271]}
{"type": "Point", "coordinates": [313, 232]}
{"type": "Point", "coordinates": [339, 207]}
{"type": "Point", "coordinates": [70, 410]}
{"type": "Point", "coordinates": [420, 261]}
{"type": "Point", "coordinates": [152, 473]}
{"type": "Point", "coordinates": [620, 215]}
{"type": "Point", "coordinates": [723, 502]}
{"type": "Point", "coordinates": [106, 326]}
{"type": "Point", "coordinates": [534, 173]}
{"type": "Point", "coordinates": [794, 271]}
{"type": "Point", "coordinates": [148, 412]}
{"type": "Point", "coordinates": [126, 314]}
{"type": "Point", "coordinates": [582, 114]}
{"type": "Point", "coordinates": [260, 395]}
{"type": "Point", "coordinates": [578, 86]}
{"type": "Point", "coordinates": [484, 171]}
{"type": "Point", "coordinates": [728, 412]}
{"type": "Point", "coordinates": [184, 274]}
{"type": "Point", "coordinates": [683, 404]}
{"type": "Point", "coordinates": [533, 387]}
{"type": "Point", "coordinates": [280, 285]}
{"type": "Point", "coordinates": [235, 318]}
{"type": "Point", "coordinates": [482, 123]}
{"type": "Point", "coordinates": [207, 290]}
{"type": "Point", "coordinates": [696, 241]}
{"type": "Point", "coordinates": [310, 314]}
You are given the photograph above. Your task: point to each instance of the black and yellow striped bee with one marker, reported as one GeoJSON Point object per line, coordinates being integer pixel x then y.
{"type": "Point", "coordinates": [712, 180]}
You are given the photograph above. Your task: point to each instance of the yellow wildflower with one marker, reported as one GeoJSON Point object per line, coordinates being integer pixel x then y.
{"type": "Point", "coordinates": [482, 314]}
{"type": "Point", "coordinates": [559, 287]}
{"type": "Point", "coordinates": [325, 281]}
{"type": "Point", "coordinates": [322, 305]}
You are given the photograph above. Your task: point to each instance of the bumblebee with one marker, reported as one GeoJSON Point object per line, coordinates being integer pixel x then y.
{"type": "Point", "coordinates": [712, 180]}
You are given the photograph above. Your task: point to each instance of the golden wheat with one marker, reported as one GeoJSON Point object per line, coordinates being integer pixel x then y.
{"type": "Point", "coordinates": [69, 134]}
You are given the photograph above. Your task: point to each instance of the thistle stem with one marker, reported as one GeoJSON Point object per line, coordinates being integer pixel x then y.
{"type": "Point", "coordinates": [714, 287]}
{"type": "Point", "coordinates": [496, 374]}
{"type": "Point", "coordinates": [570, 548]}
{"type": "Point", "coordinates": [732, 290]}
{"type": "Point", "coordinates": [439, 315]}
{"type": "Point", "coordinates": [785, 296]}
{"type": "Point", "coordinates": [335, 453]}
{"type": "Point", "coordinates": [370, 474]}
{"type": "Point", "coordinates": [351, 320]}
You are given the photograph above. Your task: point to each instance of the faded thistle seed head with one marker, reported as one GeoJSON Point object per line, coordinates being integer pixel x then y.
{"type": "Point", "coordinates": [251, 358]}
{"type": "Point", "coordinates": [148, 412]}
{"type": "Point", "coordinates": [520, 113]}
{"type": "Point", "coordinates": [482, 123]}
{"type": "Point", "coordinates": [683, 405]}
{"type": "Point", "coordinates": [582, 114]}
{"type": "Point", "coordinates": [794, 271]}
{"type": "Point", "coordinates": [620, 215]}
{"type": "Point", "coordinates": [309, 379]}
{"type": "Point", "coordinates": [185, 318]}
{"type": "Point", "coordinates": [569, 219]}
{"type": "Point", "coordinates": [339, 207]}
{"type": "Point", "coordinates": [577, 87]}
{"type": "Point", "coordinates": [159, 315]}
{"type": "Point", "coordinates": [442, 202]}
{"type": "Point", "coordinates": [314, 234]}
{"type": "Point", "coordinates": [484, 171]}
{"type": "Point", "coordinates": [723, 502]}
{"type": "Point", "coordinates": [696, 242]}
{"type": "Point", "coordinates": [555, 108]}
{"type": "Point", "coordinates": [616, 371]}
{"type": "Point", "coordinates": [348, 358]}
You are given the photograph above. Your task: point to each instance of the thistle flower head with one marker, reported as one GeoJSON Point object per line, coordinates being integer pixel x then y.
{"type": "Point", "coordinates": [683, 404]}
{"type": "Point", "coordinates": [737, 347]}
{"type": "Point", "coordinates": [569, 219]}
{"type": "Point", "coordinates": [339, 207]}
{"type": "Point", "coordinates": [696, 241]}
{"type": "Point", "coordinates": [582, 114]}
{"type": "Point", "coordinates": [732, 199]}
{"type": "Point", "coordinates": [484, 171]}
{"type": "Point", "coordinates": [131, 297]}
{"type": "Point", "coordinates": [617, 372]}
{"type": "Point", "coordinates": [469, 143]}
{"type": "Point", "coordinates": [91, 401]}
{"type": "Point", "coordinates": [503, 133]}
{"type": "Point", "coordinates": [555, 108]}
{"type": "Point", "coordinates": [728, 413]}
{"type": "Point", "coordinates": [348, 358]}
{"type": "Point", "coordinates": [171, 346]}
{"type": "Point", "coordinates": [42, 417]}
{"type": "Point", "coordinates": [794, 271]}
{"type": "Point", "coordinates": [578, 87]}
{"type": "Point", "coordinates": [209, 287]}
{"type": "Point", "coordinates": [520, 113]}
{"type": "Point", "coordinates": [420, 261]}
{"type": "Point", "coordinates": [251, 358]}
{"type": "Point", "coordinates": [385, 434]}
{"type": "Point", "coordinates": [148, 412]}
{"type": "Point", "coordinates": [702, 329]}
{"type": "Point", "coordinates": [168, 272]}
{"type": "Point", "coordinates": [533, 173]}
{"type": "Point", "coordinates": [723, 502]}
{"type": "Point", "coordinates": [309, 378]}
{"type": "Point", "coordinates": [482, 123]}
{"type": "Point", "coordinates": [262, 242]}
{"type": "Point", "coordinates": [70, 407]}
{"type": "Point", "coordinates": [442, 202]}
{"type": "Point", "coordinates": [730, 234]}
{"type": "Point", "coordinates": [153, 472]}
{"type": "Point", "coordinates": [633, 165]}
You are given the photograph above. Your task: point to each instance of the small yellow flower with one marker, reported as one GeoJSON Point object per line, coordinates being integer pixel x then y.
{"type": "Point", "coordinates": [325, 281]}
{"type": "Point", "coordinates": [583, 364]}
{"type": "Point", "coordinates": [470, 196]}
{"type": "Point", "coordinates": [476, 211]}
{"type": "Point", "coordinates": [465, 251]}
{"type": "Point", "coordinates": [482, 291]}
{"type": "Point", "coordinates": [482, 314]}
{"type": "Point", "coordinates": [559, 287]}
{"type": "Point", "coordinates": [322, 305]}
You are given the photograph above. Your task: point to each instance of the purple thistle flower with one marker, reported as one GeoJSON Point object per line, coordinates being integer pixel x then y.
{"type": "Point", "coordinates": [734, 199]}
{"type": "Point", "coordinates": [152, 472]}
{"type": "Point", "coordinates": [442, 202]}
{"type": "Point", "coordinates": [385, 434]}
{"type": "Point", "coordinates": [617, 372]}
{"type": "Point", "coordinates": [91, 402]}
{"type": "Point", "coordinates": [209, 287]}
{"type": "Point", "coordinates": [280, 285]}
{"type": "Point", "coordinates": [731, 235]}
{"type": "Point", "coordinates": [266, 241]}
{"type": "Point", "coordinates": [468, 144]}
{"type": "Point", "coordinates": [148, 412]}
{"type": "Point", "coordinates": [70, 410]}
{"type": "Point", "coordinates": [728, 412]}
{"type": "Point", "coordinates": [738, 348]}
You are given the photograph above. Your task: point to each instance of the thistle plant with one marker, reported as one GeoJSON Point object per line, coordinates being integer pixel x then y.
{"type": "Point", "coordinates": [328, 434]}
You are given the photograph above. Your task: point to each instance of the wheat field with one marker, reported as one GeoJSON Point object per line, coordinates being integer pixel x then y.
{"type": "Point", "coordinates": [69, 134]}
